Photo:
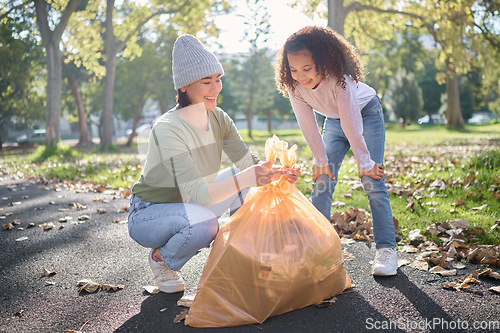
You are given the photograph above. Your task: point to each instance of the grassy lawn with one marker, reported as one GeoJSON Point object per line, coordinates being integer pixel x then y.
{"type": "Point", "coordinates": [433, 174]}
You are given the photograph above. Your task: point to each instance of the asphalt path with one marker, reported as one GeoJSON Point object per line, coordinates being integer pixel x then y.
{"type": "Point", "coordinates": [100, 249]}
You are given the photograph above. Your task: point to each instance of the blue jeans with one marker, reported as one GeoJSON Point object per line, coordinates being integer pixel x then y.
{"type": "Point", "coordinates": [179, 230]}
{"type": "Point", "coordinates": [337, 146]}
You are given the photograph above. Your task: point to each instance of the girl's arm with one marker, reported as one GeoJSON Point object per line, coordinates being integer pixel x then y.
{"type": "Point", "coordinates": [352, 124]}
{"type": "Point", "coordinates": [307, 123]}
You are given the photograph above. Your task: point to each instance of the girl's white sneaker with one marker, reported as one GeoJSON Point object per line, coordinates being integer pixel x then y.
{"type": "Point", "coordinates": [385, 263]}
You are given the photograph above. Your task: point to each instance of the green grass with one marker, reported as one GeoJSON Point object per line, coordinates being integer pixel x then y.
{"type": "Point", "coordinates": [467, 162]}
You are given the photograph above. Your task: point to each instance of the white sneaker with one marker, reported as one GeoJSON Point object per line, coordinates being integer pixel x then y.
{"type": "Point", "coordinates": [167, 280]}
{"type": "Point", "coordinates": [385, 263]}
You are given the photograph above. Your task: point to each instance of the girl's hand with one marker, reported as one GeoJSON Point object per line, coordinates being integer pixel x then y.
{"type": "Point", "coordinates": [377, 172]}
{"type": "Point", "coordinates": [325, 169]}
{"type": "Point", "coordinates": [292, 174]}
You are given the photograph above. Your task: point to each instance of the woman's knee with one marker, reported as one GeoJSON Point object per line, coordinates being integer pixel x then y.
{"type": "Point", "coordinates": [207, 231]}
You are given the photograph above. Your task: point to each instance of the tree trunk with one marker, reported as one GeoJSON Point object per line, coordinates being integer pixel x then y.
{"type": "Point", "coordinates": [137, 114]}
{"type": "Point", "coordinates": [249, 120]}
{"type": "Point", "coordinates": [82, 119]}
{"type": "Point", "coordinates": [109, 80]}
{"type": "Point", "coordinates": [54, 86]}
{"type": "Point", "coordinates": [336, 15]}
{"type": "Point", "coordinates": [453, 113]}
{"type": "Point", "coordinates": [269, 121]}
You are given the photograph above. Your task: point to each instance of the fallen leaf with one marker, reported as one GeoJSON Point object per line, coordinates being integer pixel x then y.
{"type": "Point", "coordinates": [443, 272]}
{"type": "Point", "coordinates": [8, 226]}
{"type": "Point", "coordinates": [458, 265]}
{"type": "Point", "coordinates": [20, 239]}
{"type": "Point", "coordinates": [50, 283]}
{"type": "Point", "coordinates": [46, 272]}
{"type": "Point", "coordinates": [163, 310]}
{"type": "Point", "coordinates": [495, 289]}
{"type": "Point", "coordinates": [77, 205]}
{"type": "Point", "coordinates": [487, 272]}
{"type": "Point", "coordinates": [326, 303]}
{"type": "Point", "coordinates": [181, 316]}
{"type": "Point", "coordinates": [186, 300]}
{"type": "Point", "coordinates": [409, 249]}
{"type": "Point", "coordinates": [460, 202]}
{"type": "Point", "coordinates": [420, 264]}
{"type": "Point", "coordinates": [113, 287]}
{"type": "Point", "coordinates": [403, 262]}
{"type": "Point", "coordinates": [91, 286]}
{"type": "Point", "coordinates": [464, 283]}
{"type": "Point", "coordinates": [347, 241]}
{"type": "Point", "coordinates": [152, 289]}
{"type": "Point", "coordinates": [101, 211]}
{"type": "Point", "coordinates": [47, 226]}
{"type": "Point", "coordinates": [124, 209]}
{"type": "Point", "coordinates": [19, 313]}
{"type": "Point", "coordinates": [88, 285]}
{"type": "Point", "coordinates": [83, 217]}
{"type": "Point", "coordinates": [480, 207]}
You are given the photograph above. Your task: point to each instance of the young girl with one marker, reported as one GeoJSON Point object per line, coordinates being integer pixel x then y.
{"type": "Point", "coordinates": [320, 71]}
{"type": "Point", "coordinates": [180, 193]}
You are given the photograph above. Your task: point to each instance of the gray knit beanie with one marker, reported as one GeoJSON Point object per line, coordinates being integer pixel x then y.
{"type": "Point", "coordinates": [191, 61]}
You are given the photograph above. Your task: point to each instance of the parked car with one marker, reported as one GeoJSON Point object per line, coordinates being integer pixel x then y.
{"type": "Point", "coordinates": [36, 136]}
{"type": "Point", "coordinates": [142, 130]}
{"type": "Point", "coordinates": [481, 118]}
{"type": "Point", "coordinates": [436, 119]}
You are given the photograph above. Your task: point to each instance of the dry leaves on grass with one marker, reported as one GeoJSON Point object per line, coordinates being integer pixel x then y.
{"type": "Point", "coordinates": [354, 223]}
{"type": "Point", "coordinates": [91, 286]}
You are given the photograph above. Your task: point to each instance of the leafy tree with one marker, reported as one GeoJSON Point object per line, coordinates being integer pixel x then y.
{"type": "Point", "coordinates": [21, 74]}
{"type": "Point", "coordinates": [51, 31]}
{"type": "Point", "coordinates": [135, 83]}
{"type": "Point", "coordinates": [456, 27]}
{"type": "Point", "coordinates": [256, 33]}
{"type": "Point", "coordinates": [231, 93]}
{"type": "Point", "coordinates": [404, 97]}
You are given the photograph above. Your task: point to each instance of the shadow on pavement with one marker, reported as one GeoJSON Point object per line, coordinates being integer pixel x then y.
{"type": "Point", "coordinates": [348, 314]}
{"type": "Point", "coordinates": [428, 309]}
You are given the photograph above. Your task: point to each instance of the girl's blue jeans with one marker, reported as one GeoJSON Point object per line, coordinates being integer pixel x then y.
{"type": "Point", "coordinates": [179, 230]}
{"type": "Point", "coordinates": [337, 146]}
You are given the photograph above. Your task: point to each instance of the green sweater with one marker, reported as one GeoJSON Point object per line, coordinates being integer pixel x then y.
{"type": "Point", "coordinates": [183, 159]}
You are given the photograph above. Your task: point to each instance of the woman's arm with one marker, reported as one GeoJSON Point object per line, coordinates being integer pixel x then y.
{"type": "Point", "coordinates": [255, 175]}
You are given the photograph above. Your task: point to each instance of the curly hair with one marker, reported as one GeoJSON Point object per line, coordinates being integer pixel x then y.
{"type": "Point", "coordinates": [332, 54]}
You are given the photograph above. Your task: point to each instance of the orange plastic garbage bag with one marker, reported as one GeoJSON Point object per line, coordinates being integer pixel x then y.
{"type": "Point", "coordinates": [276, 254]}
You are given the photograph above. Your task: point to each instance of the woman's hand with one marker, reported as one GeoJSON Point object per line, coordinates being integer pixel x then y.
{"type": "Point", "coordinates": [377, 172]}
{"type": "Point", "coordinates": [265, 173]}
{"type": "Point", "coordinates": [292, 174]}
{"type": "Point", "coordinates": [325, 169]}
